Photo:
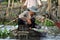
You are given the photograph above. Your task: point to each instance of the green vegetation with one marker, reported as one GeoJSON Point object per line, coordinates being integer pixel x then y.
{"type": "Point", "coordinates": [37, 21]}
{"type": "Point", "coordinates": [6, 22]}
{"type": "Point", "coordinates": [48, 23]}
{"type": "Point", "coordinates": [4, 3]}
{"type": "Point", "coordinates": [3, 34]}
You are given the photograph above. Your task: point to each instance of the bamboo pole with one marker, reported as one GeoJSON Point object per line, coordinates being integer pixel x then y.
{"type": "Point", "coordinates": [21, 5]}
{"type": "Point", "coordinates": [9, 3]}
{"type": "Point", "coordinates": [0, 5]}
{"type": "Point", "coordinates": [9, 22]}
{"type": "Point", "coordinates": [59, 2]}
{"type": "Point", "coordinates": [12, 4]}
{"type": "Point", "coordinates": [7, 11]}
{"type": "Point", "coordinates": [49, 5]}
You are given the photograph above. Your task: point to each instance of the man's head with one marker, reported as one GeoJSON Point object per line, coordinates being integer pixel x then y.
{"type": "Point", "coordinates": [33, 10]}
{"type": "Point", "coordinates": [32, 13]}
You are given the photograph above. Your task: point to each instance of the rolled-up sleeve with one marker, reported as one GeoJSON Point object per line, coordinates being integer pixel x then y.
{"type": "Point", "coordinates": [22, 14]}
{"type": "Point", "coordinates": [39, 2]}
{"type": "Point", "coordinates": [25, 3]}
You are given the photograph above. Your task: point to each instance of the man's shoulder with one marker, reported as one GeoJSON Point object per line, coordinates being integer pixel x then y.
{"type": "Point", "coordinates": [25, 12]}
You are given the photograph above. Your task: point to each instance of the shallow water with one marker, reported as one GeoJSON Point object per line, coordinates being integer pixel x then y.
{"type": "Point", "coordinates": [47, 37]}
{"type": "Point", "coordinates": [9, 27]}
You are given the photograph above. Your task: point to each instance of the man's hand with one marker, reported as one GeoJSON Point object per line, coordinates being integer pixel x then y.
{"type": "Point", "coordinates": [30, 28]}
{"type": "Point", "coordinates": [28, 21]}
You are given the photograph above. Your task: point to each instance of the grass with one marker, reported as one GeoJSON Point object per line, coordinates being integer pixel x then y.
{"type": "Point", "coordinates": [4, 3]}
{"type": "Point", "coordinates": [6, 22]}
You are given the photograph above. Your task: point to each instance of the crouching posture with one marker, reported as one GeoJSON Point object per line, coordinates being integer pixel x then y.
{"type": "Point", "coordinates": [27, 18]}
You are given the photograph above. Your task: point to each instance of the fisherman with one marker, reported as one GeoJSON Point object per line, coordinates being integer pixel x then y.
{"type": "Point", "coordinates": [27, 16]}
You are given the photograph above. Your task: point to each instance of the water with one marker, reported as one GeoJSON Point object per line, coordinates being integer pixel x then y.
{"type": "Point", "coordinates": [48, 36]}
{"type": "Point", "coordinates": [51, 37]}
{"type": "Point", "coordinates": [9, 27]}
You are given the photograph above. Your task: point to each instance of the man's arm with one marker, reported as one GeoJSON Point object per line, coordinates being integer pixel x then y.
{"type": "Point", "coordinates": [25, 18]}
{"type": "Point", "coordinates": [22, 14]}
{"type": "Point", "coordinates": [28, 20]}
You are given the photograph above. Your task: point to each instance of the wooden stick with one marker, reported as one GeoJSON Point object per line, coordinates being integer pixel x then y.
{"type": "Point", "coordinates": [11, 21]}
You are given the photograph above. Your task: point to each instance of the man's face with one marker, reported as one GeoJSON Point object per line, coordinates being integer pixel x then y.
{"type": "Point", "coordinates": [31, 13]}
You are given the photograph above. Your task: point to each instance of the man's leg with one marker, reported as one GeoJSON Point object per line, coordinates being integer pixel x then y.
{"type": "Point", "coordinates": [33, 22]}
{"type": "Point", "coordinates": [32, 25]}
{"type": "Point", "coordinates": [20, 23]}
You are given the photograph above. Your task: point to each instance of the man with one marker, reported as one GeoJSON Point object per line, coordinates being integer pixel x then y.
{"type": "Point", "coordinates": [27, 17]}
